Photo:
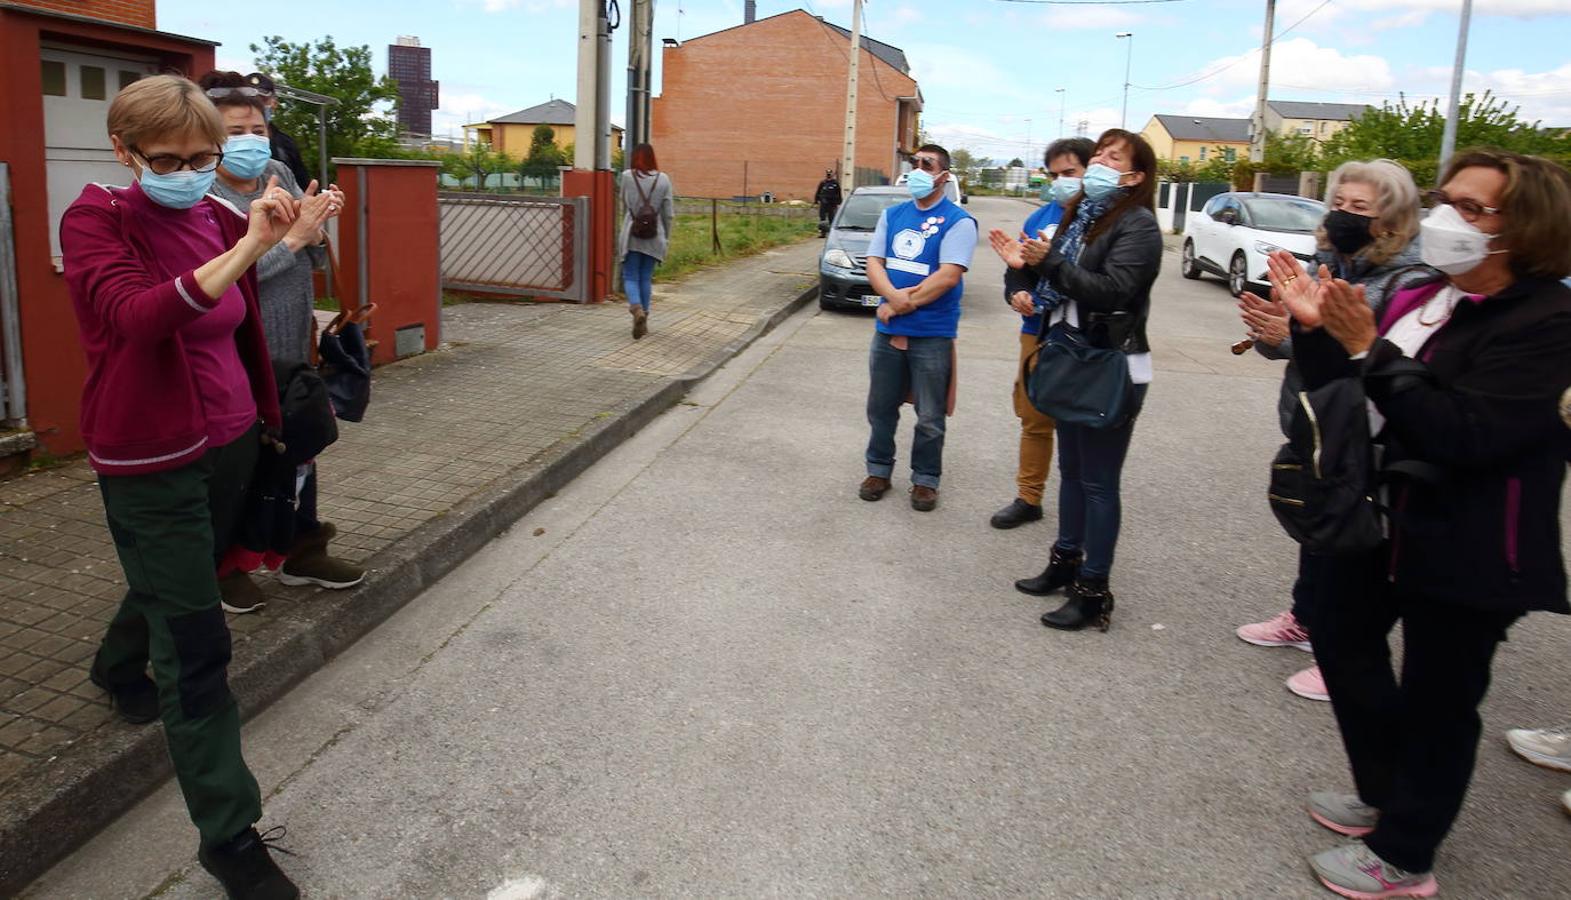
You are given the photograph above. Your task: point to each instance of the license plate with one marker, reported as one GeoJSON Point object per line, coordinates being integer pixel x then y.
{"type": "Point", "coordinates": [871, 299]}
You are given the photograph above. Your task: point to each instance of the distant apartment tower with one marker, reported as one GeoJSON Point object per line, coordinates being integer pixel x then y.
{"type": "Point", "coordinates": [409, 64]}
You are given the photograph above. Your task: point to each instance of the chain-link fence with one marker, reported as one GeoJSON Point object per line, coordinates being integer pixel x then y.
{"type": "Point", "coordinates": [523, 246]}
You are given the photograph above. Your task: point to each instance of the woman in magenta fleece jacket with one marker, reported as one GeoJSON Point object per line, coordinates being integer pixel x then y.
{"type": "Point", "coordinates": [178, 401]}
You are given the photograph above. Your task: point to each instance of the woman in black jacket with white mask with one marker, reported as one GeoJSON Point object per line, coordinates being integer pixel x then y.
{"type": "Point", "coordinates": [1469, 376]}
{"type": "Point", "coordinates": [1095, 276]}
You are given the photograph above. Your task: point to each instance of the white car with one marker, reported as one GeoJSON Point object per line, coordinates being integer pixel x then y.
{"type": "Point", "coordinates": [1234, 233]}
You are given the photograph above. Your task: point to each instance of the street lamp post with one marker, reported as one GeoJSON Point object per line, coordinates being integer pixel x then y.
{"type": "Point", "coordinates": [1060, 92]}
{"type": "Point", "coordinates": [1123, 119]}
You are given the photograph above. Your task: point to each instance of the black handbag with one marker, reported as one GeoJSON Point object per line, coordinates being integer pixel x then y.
{"type": "Point", "coordinates": [309, 426]}
{"type": "Point", "coordinates": [346, 368]}
{"type": "Point", "coordinates": [1076, 383]}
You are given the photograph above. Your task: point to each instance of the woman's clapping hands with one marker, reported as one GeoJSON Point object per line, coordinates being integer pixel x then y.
{"type": "Point", "coordinates": [1326, 301]}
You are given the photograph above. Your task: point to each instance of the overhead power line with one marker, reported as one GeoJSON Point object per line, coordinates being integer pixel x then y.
{"type": "Point", "coordinates": [1220, 69]}
{"type": "Point", "coordinates": [1091, 2]}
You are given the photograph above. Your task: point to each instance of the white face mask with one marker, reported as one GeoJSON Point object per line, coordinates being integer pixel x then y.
{"type": "Point", "coordinates": [1451, 243]}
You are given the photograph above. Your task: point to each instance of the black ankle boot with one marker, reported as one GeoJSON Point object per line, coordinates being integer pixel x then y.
{"type": "Point", "coordinates": [1061, 569]}
{"type": "Point", "coordinates": [242, 865]}
{"type": "Point", "coordinates": [1089, 603]}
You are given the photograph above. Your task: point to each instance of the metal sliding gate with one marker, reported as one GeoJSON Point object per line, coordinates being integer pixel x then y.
{"type": "Point", "coordinates": [520, 246]}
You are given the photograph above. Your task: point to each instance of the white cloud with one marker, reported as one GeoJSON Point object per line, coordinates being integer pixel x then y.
{"type": "Point", "coordinates": [1300, 61]}
{"type": "Point", "coordinates": [1089, 17]}
{"type": "Point", "coordinates": [1240, 108]}
{"type": "Point", "coordinates": [460, 109]}
{"type": "Point", "coordinates": [1516, 8]}
{"type": "Point", "coordinates": [909, 15]}
{"type": "Point", "coordinates": [1410, 19]}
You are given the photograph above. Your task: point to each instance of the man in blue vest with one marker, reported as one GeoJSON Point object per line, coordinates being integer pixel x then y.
{"type": "Point", "coordinates": [1066, 161]}
{"type": "Point", "coordinates": [916, 261]}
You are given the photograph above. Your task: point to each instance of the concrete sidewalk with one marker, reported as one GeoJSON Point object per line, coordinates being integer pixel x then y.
{"type": "Point", "coordinates": [456, 446]}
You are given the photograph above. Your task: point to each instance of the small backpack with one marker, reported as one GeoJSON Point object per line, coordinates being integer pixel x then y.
{"type": "Point", "coordinates": [1323, 480]}
{"type": "Point", "coordinates": [646, 221]}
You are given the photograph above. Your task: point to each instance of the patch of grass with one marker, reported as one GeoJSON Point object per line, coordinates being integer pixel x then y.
{"type": "Point", "coordinates": [740, 235]}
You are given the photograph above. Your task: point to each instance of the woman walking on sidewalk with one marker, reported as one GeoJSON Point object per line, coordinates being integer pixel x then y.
{"type": "Point", "coordinates": [179, 401]}
{"type": "Point", "coordinates": [287, 297]}
{"type": "Point", "coordinates": [647, 196]}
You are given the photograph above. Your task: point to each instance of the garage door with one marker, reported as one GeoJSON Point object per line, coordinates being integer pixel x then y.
{"type": "Point", "coordinates": [78, 86]}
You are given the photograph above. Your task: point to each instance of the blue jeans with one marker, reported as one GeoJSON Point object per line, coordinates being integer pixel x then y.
{"type": "Point", "coordinates": [638, 277]}
{"type": "Point", "coordinates": [1090, 461]}
{"type": "Point", "coordinates": [923, 371]}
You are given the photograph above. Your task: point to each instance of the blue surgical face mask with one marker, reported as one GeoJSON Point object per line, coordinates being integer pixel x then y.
{"type": "Point", "coordinates": [919, 183]}
{"type": "Point", "coordinates": [177, 190]}
{"type": "Point", "coordinates": [1065, 187]}
{"type": "Point", "coordinates": [246, 155]}
{"type": "Point", "coordinates": [1099, 181]}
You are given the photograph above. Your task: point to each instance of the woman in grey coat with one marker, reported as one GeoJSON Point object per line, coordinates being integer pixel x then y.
{"type": "Point", "coordinates": [1369, 238]}
{"type": "Point", "coordinates": [648, 198]}
{"type": "Point", "coordinates": [288, 299]}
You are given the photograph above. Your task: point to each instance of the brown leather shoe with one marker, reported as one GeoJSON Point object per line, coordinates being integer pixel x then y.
{"type": "Point", "coordinates": [923, 498]}
{"type": "Point", "coordinates": [872, 488]}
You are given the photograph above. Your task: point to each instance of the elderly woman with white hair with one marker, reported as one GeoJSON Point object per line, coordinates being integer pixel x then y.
{"type": "Point", "coordinates": [1369, 238]}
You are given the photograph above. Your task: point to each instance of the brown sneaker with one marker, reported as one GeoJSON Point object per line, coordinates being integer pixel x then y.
{"type": "Point", "coordinates": [239, 594]}
{"type": "Point", "coordinates": [872, 488]}
{"type": "Point", "coordinates": [310, 563]}
{"type": "Point", "coordinates": [640, 322]}
{"type": "Point", "coordinates": [923, 498]}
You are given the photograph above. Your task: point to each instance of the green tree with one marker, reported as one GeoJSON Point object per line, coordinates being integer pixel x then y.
{"type": "Point", "coordinates": [360, 124]}
{"type": "Point", "coordinates": [478, 161]}
{"type": "Point", "coordinates": [543, 157]}
{"type": "Point", "coordinates": [1289, 154]}
{"type": "Point", "coordinates": [1016, 163]}
{"type": "Point", "coordinates": [1409, 132]}
{"type": "Point", "coordinates": [963, 161]}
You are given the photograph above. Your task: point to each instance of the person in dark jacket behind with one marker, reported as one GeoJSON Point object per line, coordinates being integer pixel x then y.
{"type": "Point", "coordinates": [178, 402]}
{"type": "Point", "coordinates": [1470, 376]}
{"type": "Point", "coordinates": [828, 198]}
{"type": "Point", "coordinates": [1369, 238]}
{"type": "Point", "coordinates": [1096, 275]}
{"type": "Point", "coordinates": [285, 150]}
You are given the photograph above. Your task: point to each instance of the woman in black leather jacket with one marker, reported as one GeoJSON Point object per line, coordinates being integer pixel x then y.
{"type": "Point", "coordinates": [1469, 376]}
{"type": "Point", "coordinates": [1096, 275]}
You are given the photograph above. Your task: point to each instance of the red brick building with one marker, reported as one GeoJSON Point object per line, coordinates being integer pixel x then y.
{"type": "Point", "coordinates": [61, 62]}
{"type": "Point", "coordinates": [761, 108]}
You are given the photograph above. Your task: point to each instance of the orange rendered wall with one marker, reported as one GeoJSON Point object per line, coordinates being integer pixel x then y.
{"type": "Point", "coordinates": [767, 101]}
{"type": "Point", "coordinates": [52, 359]}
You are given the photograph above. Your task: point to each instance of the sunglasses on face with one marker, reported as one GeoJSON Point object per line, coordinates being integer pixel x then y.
{"type": "Point", "coordinates": [219, 93]}
{"type": "Point", "coordinates": [1471, 210]}
{"type": "Point", "coordinates": [927, 163]}
{"type": "Point", "coordinates": [168, 163]}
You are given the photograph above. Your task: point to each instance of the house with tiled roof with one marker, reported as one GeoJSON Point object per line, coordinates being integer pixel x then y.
{"type": "Point", "coordinates": [511, 134]}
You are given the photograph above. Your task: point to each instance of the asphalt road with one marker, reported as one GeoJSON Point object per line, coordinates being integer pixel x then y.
{"type": "Point", "coordinates": [708, 669]}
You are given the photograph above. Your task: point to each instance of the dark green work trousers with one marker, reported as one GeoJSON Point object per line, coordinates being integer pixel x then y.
{"type": "Point", "coordinates": [169, 528]}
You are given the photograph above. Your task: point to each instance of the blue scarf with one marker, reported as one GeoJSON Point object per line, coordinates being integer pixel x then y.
{"type": "Point", "coordinates": [1086, 214]}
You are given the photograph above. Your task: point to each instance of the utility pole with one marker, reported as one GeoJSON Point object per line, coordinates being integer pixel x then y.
{"type": "Point", "coordinates": [1030, 151]}
{"type": "Point", "coordinates": [1129, 58]}
{"type": "Point", "coordinates": [1061, 93]}
{"type": "Point", "coordinates": [1257, 124]}
{"type": "Point", "coordinates": [640, 41]}
{"type": "Point", "coordinates": [1448, 137]}
{"type": "Point", "coordinates": [848, 154]}
{"type": "Point", "coordinates": [591, 21]}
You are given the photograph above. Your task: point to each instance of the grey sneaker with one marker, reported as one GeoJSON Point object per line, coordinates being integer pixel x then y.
{"type": "Point", "coordinates": [1343, 813]}
{"type": "Point", "coordinates": [1355, 871]}
{"type": "Point", "coordinates": [1547, 747]}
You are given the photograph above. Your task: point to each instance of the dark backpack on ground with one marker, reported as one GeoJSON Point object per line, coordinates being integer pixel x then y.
{"type": "Point", "coordinates": [646, 220]}
{"type": "Point", "coordinates": [1324, 484]}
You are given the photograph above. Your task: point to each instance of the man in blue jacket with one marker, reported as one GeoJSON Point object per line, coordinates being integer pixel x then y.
{"type": "Point", "coordinates": [916, 262]}
{"type": "Point", "coordinates": [1066, 161]}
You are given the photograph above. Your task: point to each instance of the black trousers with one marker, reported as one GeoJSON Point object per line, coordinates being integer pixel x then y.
{"type": "Point", "coordinates": [1411, 743]}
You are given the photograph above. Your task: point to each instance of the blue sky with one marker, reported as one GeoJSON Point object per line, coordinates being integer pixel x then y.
{"type": "Point", "coordinates": [988, 69]}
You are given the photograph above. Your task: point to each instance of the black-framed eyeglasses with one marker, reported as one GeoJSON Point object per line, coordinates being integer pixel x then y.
{"type": "Point", "coordinates": [1470, 209]}
{"type": "Point", "coordinates": [927, 163]}
{"type": "Point", "coordinates": [169, 163]}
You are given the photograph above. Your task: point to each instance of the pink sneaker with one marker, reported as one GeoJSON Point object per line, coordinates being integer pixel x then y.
{"type": "Point", "coordinates": [1309, 684]}
{"type": "Point", "coordinates": [1281, 630]}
